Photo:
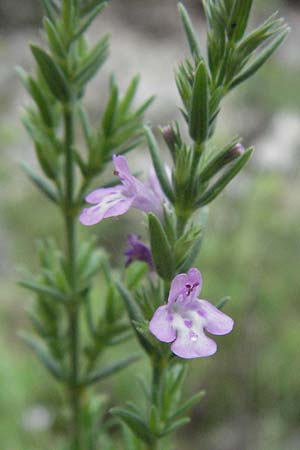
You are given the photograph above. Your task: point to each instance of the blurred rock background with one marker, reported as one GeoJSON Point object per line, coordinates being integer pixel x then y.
{"type": "Point", "coordinates": [251, 251]}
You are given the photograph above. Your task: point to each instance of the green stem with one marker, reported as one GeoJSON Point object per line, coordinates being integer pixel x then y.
{"type": "Point", "coordinates": [198, 152]}
{"type": "Point", "coordinates": [71, 261]}
{"type": "Point", "coordinates": [158, 366]}
{"type": "Point", "coordinates": [154, 446]}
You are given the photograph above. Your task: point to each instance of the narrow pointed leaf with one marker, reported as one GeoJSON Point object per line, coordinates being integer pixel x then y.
{"type": "Point", "coordinates": [225, 179]}
{"type": "Point", "coordinates": [194, 400]}
{"type": "Point", "coordinates": [136, 316]}
{"type": "Point", "coordinates": [239, 18]}
{"type": "Point", "coordinates": [50, 8]}
{"type": "Point", "coordinates": [90, 65]}
{"type": "Point", "coordinates": [54, 38]}
{"type": "Point", "coordinates": [175, 425]}
{"type": "Point", "coordinates": [140, 111]}
{"type": "Point", "coordinates": [89, 6]}
{"type": "Point", "coordinates": [222, 302]}
{"type": "Point", "coordinates": [135, 423]}
{"type": "Point", "coordinates": [217, 162]}
{"type": "Point", "coordinates": [52, 74]}
{"type": "Point", "coordinates": [132, 307]}
{"type": "Point", "coordinates": [109, 116]}
{"type": "Point", "coordinates": [38, 96]}
{"type": "Point", "coordinates": [199, 111]}
{"type": "Point", "coordinates": [107, 371]}
{"type": "Point", "coordinates": [88, 20]}
{"type": "Point", "coordinates": [190, 32]}
{"type": "Point", "coordinates": [161, 249]}
{"type": "Point", "coordinates": [258, 62]}
{"type": "Point", "coordinates": [40, 183]}
{"type": "Point", "coordinates": [42, 353]}
{"type": "Point", "coordinates": [158, 165]}
{"type": "Point", "coordinates": [39, 289]}
{"type": "Point", "coordinates": [129, 95]}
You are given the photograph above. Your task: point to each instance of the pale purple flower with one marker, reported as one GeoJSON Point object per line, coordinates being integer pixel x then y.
{"type": "Point", "coordinates": [117, 200]}
{"type": "Point", "coordinates": [138, 251]}
{"type": "Point", "coordinates": [184, 318]}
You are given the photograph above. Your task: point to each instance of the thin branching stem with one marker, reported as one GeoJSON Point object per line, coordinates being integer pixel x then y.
{"type": "Point", "coordinates": [74, 332]}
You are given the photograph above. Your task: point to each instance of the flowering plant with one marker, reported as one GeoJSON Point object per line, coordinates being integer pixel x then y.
{"type": "Point", "coordinates": [175, 205]}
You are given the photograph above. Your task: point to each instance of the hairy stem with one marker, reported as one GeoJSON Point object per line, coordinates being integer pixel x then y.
{"type": "Point", "coordinates": [158, 366]}
{"type": "Point", "coordinates": [74, 337]}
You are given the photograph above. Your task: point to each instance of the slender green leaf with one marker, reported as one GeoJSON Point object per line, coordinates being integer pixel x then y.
{"type": "Point", "coordinates": [107, 371]}
{"type": "Point", "coordinates": [135, 423]}
{"type": "Point", "coordinates": [54, 39]}
{"type": "Point", "coordinates": [90, 65]}
{"type": "Point", "coordinates": [42, 353]}
{"type": "Point", "coordinates": [222, 302]}
{"type": "Point", "coordinates": [219, 161]}
{"type": "Point", "coordinates": [175, 425]}
{"type": "Point", "coordinates": [239, 18]}
{"type": "Point", "coordinates": [158, 165]}
{"type": "Point", "coordinates": [161, 249]}
{"type": "Point", "coordinates": [52, 74]}
{"type": "Point", "coordinates": [109, 116]}
{"type": "Point", "coordinates": [89, 6]}
{"type": "Point", "coordinates": [194, 400]}
{"type": "Point", "coordinates": [40, 183]}
{"type": "Point", "coordinates": [39, 289]}
{"type": "Point", "coordinates": [136, 316]}
{"type": "Point", "coordinates": [199, 110]}
{"type": "Point", "coordinates": [51, 9]}
{"type": "Point", "coordinates": [38, 96]}
{"type": "Point", "coordinates": [129, 95]}
{"type": "Point", "coordinates": [46, 160]}
{"type": "Point", "coordinates": [154, 420]}
{"type": "Point", "coordinates": [88, 20]}
{"type": "Point", "coordinates": [132, 306]}
{"type": "Point", "coordinates": [140, 111]}
{"type": "Point", "coordinates": [190, 32]}
{"type": "Point", "coordinates": [223, 181]}
{"type": "Point", "coordinates": [264, 55]}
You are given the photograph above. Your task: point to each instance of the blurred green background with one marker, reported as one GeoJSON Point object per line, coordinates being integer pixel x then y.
{"type": "Point", "coordinates": [251, 251]}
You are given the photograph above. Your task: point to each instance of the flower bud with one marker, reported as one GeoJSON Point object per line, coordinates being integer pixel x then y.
{"type": "Point", "coordinates": [224, 157]}
{"type": "Point", "coordinates": [235, 152]}
{"type": "Point", "coordinates": [138, 251]}
{"type": "Point", "coordinates": [171, 137]}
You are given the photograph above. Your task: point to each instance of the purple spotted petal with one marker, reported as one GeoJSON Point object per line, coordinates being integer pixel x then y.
{"type": "Point", "coordinates": [191, 344]}
{"type": "Point", "coordinates": [161, 325]}
{"type": "Point", "coordinates": [98, 195]}
{"type": "Point", "coordinates": [186, 284]}
{"type": "Point", "coordinates": [122, 170]}
{"type": "Point", "coordinates": [216, 322]}
{"type": "Point", "coordinates": [178, 286]}
{"type": "Point", "coordinates": [195, 279]}
{"type": "Point", "coordinates": [121, 165]}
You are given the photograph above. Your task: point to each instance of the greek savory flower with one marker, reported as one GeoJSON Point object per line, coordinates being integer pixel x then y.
{"type": "Point", "coordinates": [184, 318]}
{"type": "Point", "coordinates": [138, 251]}
{"type": "Point", "coordinates": [117, 200]}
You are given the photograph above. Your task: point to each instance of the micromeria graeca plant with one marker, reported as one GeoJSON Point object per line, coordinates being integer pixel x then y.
{"type": "Point", "coordinates": [64, 283]}
{"type": "Point", "coordinates": [166, 308]}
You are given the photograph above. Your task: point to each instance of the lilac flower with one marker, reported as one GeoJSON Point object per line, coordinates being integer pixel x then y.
{"type": "Point", "coordinates": [138, 251]}
{"type": "Point", "coordinates": [117, 200]}
{"type": "Point", "coordinates": [184, 318]}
